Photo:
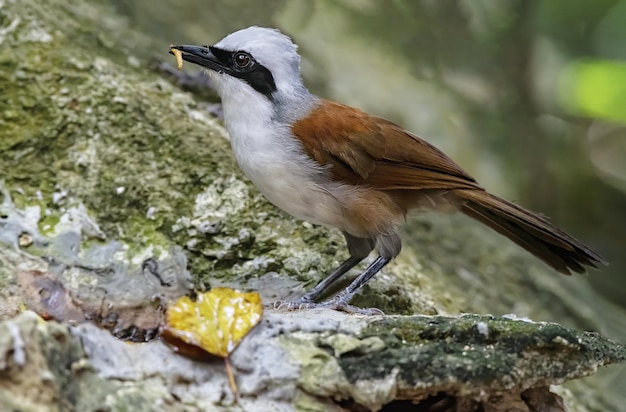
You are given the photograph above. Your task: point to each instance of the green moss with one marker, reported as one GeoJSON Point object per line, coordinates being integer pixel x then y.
{"type": "Point", "coordinates": [138, 153]}
{"type": "Point", "coordinates": [481, 350]}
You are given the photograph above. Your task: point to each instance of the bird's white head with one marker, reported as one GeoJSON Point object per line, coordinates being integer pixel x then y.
{"type": "Point", "coordinates": [256, 67]}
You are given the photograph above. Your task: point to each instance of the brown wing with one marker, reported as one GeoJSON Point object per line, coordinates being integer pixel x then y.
{"type": "Point", "coordinates": [363, 149]}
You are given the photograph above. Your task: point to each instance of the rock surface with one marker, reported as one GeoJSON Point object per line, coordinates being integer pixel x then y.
{"type": "Point", "coordinates": [104, 164]}
{"type": "Point", "coordinates": [311, 360]}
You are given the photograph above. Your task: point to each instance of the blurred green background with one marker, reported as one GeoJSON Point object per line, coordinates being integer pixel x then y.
{"type": "Point", "coordinates": [527, 96]}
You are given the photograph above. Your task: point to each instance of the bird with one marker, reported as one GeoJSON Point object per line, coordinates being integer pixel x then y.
{"type": "Point", "coordinates": [331, 164]}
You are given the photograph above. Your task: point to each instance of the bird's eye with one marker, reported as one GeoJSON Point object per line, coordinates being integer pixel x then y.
{"type": "Point", "coordinates": [242, 59]}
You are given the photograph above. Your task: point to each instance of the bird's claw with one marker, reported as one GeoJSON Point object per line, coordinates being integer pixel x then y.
{"type": "Point", "coordinates": [335, 304]}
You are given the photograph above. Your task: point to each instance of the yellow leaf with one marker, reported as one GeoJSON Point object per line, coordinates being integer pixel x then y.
{"type": "Point", "coordinates": [216, 322]}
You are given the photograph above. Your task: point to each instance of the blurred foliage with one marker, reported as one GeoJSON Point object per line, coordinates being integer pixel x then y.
{"type": "Point", "coordinates": [196, 21]}
{"type": "Point", "coordinates": [596, 89]}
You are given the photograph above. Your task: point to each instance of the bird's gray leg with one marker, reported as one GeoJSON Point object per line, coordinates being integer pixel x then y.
{"type": "Point", "coordinates": [321, 288]}
{"type": "Point", "coordinates": [388, 246]}
{"type": "Point", "coordinates": [342, 299]}
{"type": "Point", "coordinates": [359, 249]}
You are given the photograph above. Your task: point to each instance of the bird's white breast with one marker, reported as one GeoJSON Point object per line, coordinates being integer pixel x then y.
{"type": "Point", "coordinates": [273, 159]}
{"type": "Point", "coordinates": [286, 176]}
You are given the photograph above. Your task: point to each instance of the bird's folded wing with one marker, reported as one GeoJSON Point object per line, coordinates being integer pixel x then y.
{"type": "Point", "coordinates": [363, 149]}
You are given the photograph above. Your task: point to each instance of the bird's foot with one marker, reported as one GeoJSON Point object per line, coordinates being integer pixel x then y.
{"type": "Point", "coordinates": [335, 304]}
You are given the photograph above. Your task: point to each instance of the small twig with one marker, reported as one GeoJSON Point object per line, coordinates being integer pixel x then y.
{"type": "Point", "coordinates": [231, 378]}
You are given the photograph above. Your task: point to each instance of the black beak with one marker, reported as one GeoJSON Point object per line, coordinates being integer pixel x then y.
{"type": "Point", "coordinates": [200, 55]}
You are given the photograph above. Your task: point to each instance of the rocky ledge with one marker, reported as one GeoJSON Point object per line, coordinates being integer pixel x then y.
{"type": "Point", "coordinates": [316, 360]}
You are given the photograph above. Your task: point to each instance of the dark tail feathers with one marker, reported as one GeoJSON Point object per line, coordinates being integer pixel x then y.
{"type": "Point", "coordinates": [529, 230]}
